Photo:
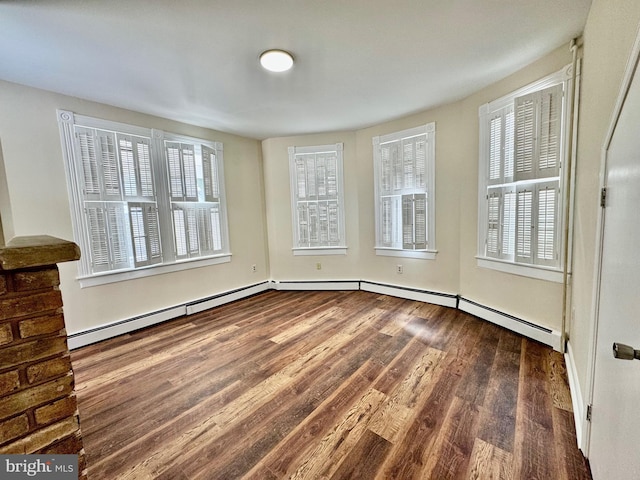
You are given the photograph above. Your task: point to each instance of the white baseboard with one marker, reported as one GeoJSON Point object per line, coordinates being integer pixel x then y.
{"type": "Point", "coordinates": [443, 299]}
{"type": "Point", "coordinates": [226, 297]}
{"type": "Point", "coordinates": [103, 332]}
{"type": "Point", "coordinates": [577, 400]}
{"type": "Point", "coordinates": [515, 324]}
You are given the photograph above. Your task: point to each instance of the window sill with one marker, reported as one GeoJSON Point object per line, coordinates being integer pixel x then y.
{"type": "Point", "coordinates": [394, 252]}
{"type": "Point", "coordinates": [320, 251]}
{"type": "Point", "coordinates": [123, 275]}
{"type": "Point", "coordinates": [532, 271]}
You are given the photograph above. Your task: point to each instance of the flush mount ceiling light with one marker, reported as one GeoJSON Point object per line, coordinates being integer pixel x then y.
{"type": "Point", "coordinates": [276, 60]}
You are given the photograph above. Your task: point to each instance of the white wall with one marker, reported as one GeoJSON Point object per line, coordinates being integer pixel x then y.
{"type": "Point", "coordinates": [37, 189]}
{"type": "Point", "coordinates": [609, 35]}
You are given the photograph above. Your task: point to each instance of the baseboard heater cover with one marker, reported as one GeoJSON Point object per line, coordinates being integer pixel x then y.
{"type": "Point", "coordinates": [226, 297]}
{"type": "Point", "coordinates": [316, 285]}
{"type": "Point", "coordinates": [513, 323]}
{"type": "Point", "coordinates": [436, 298]}
{"type": "Point", "coordinates": [103, 332]}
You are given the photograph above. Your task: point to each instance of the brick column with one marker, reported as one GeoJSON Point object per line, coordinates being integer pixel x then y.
{"type": "Point", "coordinates": [38, 410]}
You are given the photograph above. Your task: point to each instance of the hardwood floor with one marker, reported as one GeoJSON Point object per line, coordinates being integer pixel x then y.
{"type": "Point", "coordinates": [326, 385]}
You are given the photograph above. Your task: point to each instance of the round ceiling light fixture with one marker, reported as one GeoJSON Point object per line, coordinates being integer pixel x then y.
{"type": "Point", "coordinates": [276, 60]}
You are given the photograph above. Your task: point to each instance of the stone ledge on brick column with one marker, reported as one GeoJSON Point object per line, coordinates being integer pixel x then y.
{"type": "Point", "coordinates": [36, 251]}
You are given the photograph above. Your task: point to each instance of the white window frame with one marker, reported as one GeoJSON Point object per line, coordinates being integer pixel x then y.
{"type": "Point", "coordinates": [406, 195]}
{"type": "Point", "coordinates": [158, 202]}
{"type": "Point", "coordinates": [492, 180]}
{"type": "Point", "coordinates": [301, 245]}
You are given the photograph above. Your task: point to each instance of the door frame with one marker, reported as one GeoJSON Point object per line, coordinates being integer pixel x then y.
{"type": "Point", "coordinates": [632, 69]}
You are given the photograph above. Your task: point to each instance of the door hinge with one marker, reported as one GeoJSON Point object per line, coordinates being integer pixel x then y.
{"type": "Point", "coordinates": [603, 197]}
{"type": "Point", "coordinates": [589, 412]}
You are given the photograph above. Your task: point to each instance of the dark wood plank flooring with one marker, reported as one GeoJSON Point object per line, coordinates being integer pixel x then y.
{"type": "Point", "coordinates": [326, 385]}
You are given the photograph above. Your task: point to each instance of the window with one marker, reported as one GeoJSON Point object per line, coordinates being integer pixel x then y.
{"type": "Point", "coordinates": [142, 198]}
{"type": "Point", "coordinates": [522, 149]}
{"type": "Point", "coordinates": [404, 166]}
{"type": "Point", "coordinates": [317, 202]}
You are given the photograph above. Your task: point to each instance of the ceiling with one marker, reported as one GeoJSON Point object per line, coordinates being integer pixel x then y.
{"type": "Point", "coordinates": [358, 62]}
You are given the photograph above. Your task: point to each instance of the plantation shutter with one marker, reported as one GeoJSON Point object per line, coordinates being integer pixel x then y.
{"type": "Point", "coordinates": [145, 234]}
{"type": "Point", "coordinates": [524, 223]}
{"type": "Point", "coordinates": [388, 155]}
{"type": "Point", "coordinates": [547, 212]}
{"type": "Point", "coordinates": [391, 221]}
{"type": "Point", "coordinates": [525, 131]}
{"type": "Point", "coordinates": [181, 164]}
{"type": "Point", "coordinates": [402, 168]}
{"type": "Point", "coordinates": [414, 221]}
{"type": "Point", "coordinates": [550, 132]}
{"type": "Point", "coordinates": [493, 223]}
{"type": "Point", "coordinates": [210, 174]}
{"type": "Point", "coordinates": [508, 149]}
{"type": "Point", "coordinates": [538, 134]}
{"type": "Point", "coordinates": [174, 166]}
{"type": "Point", "coordinates": [206, 229]}
{"type": "Point", "coordinates": [99, 164]}
{"type": "Point", "coordinates": [407, 222]}
{"type": "Point", "coordinates": [316, 198]}
{"type": "Point", "coordinates": [108, 229]}
{"type": "Point", "coordinates": [500, 146]}
{"type": "Point", "coordinates": [508, 226]}
{"type": "Point", "coordinates": [420, 221]}
{"type": "Point", "coordinates": [180, 231]}
{"type": "Point", "coordinates": [393, 170]}
{"type": "Point", "coordinates": [495, 150]}
{"type": "Point", "coordinates": [135, 164]}
{"type": "Point", "coordinates": [333, 214]}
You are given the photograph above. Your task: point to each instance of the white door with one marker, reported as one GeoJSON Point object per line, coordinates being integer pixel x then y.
{"type": "Point", "coordinates": [614, 450]}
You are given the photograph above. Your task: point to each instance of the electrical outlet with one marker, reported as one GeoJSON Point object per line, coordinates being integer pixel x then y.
{"type": "Point", "coordinates": [318, 266]}
{"type": "Point", "coordinates": [399, 269]}
{"type": "Point", "coordinates": [254, 269]}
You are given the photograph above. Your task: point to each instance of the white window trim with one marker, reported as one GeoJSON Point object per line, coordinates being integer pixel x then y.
{"type": "Point", "coordinates": [319, 251]}
{"type": "Point", "coordinates": [67, 121]}
{"type": "Point", "coordinates": [552, 274]}
{"type": "Point", "coordinates": [430, 252]}
{"type": "Point", "coordinates": [123, 275]}
{"type": "Point", "coordinates": [327, 250]}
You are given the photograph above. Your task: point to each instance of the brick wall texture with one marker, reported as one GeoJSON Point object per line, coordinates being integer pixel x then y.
{"type": "Point", "coordinates": [38, 409]}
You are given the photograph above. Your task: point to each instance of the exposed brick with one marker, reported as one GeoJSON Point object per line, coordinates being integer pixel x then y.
{"type": "Point", "coordinates": [42, 438]}
{"type": "Point", "coordinates": [30, 351]}
{"type": "Point", "coordinates": [35, 280]}
{"type": "Point", "coordinates": [72, 444]}
{"type": "Point", "coordinates": [9, 381]}
{"type": "Point", "coordinates": [3, 284]}
{"type": "Point", "coordinates": [24, 399]}
{"type": "Point", "coordinates": [5, 334]}
{"type": "Point", "coordinates": [13, 307]}
{"type": "Point", "coordinates": [14, 428]}
{"type": "Point", "coordinates": [41, 325]}
{"type": "Point", "coordinates": [57, 410]}
{"type": "Point", "coordinates": [48, 369]}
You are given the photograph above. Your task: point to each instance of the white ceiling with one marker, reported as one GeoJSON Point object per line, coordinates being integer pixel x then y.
{"type": "Point", "coordinates": [358, 62]}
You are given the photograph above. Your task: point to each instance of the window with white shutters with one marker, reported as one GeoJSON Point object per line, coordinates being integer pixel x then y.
{"type": "Point", "coordinates": [317, 201]}
{"type": "Point", "coordinates": [405, 192]}
{"type": "Point", "coordinates": [522, 138]}
{"type": "Point", "coordinates": [141, 197]}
